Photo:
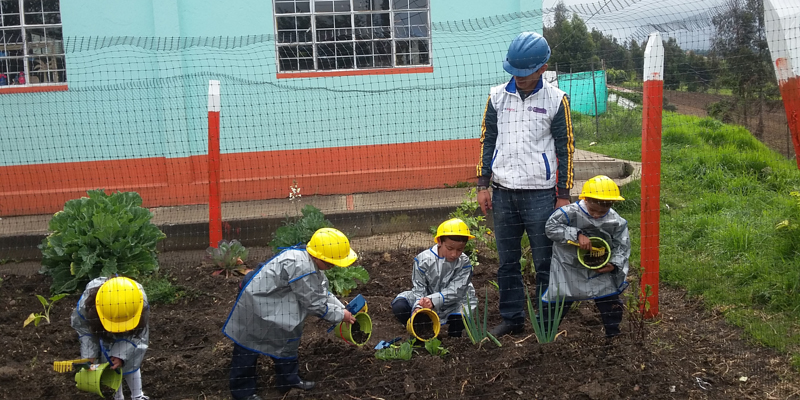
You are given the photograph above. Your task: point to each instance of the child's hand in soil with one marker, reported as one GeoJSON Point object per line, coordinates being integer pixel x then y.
{"type": "Point", "coordinates": [606, 269]}
{"type": "Point", "coordinates": [348, 318]}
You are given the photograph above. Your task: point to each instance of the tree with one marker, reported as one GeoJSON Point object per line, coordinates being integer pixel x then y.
{"type": "Point", "coordinates": [740, 42]}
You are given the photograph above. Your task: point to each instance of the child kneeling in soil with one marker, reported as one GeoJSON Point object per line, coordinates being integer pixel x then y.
{"type": "Point", "coordinates": [112, 324]}
{"type": "Point", "coordinates": [570, 281]}
{"type": "Point", "coordinates": [272, 305]}
{"type": "Point", "coordinates": [441, 279]}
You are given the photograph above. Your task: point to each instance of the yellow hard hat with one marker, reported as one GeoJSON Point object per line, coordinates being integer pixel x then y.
{"type": "Point", "coordinates": [119, 304]}
{"type": "Point", "coordinates": [601, 187]}
{"type": "Point", "coordinates": [452, 227]}
{"type": "Point", "coordinates": [331, 245]}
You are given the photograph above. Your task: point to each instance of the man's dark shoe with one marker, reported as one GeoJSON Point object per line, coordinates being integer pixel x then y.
{"type": "Point", "coordinates": [302, 385]}
{"type": "Point", "coordinates": [506, 328]}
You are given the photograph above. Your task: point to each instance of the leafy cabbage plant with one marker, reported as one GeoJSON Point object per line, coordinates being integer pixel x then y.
{"type": "Point", "coordinates": [99, 235]}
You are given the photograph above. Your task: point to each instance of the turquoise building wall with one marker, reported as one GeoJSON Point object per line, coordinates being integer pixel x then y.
{"type": "Point", "coordinates": [138, 75]}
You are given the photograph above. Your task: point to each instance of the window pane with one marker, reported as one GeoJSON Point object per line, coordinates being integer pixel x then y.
{"type": "Point", "coordinates": [383, 61]}
{"type": "Point", "coordinates": [363, 48]}
{"type": "Point", "coordinates": [282, 7]}
{"type": "Point", "coordinates": [364, 62]}
{"type": "Point", "coordinates": [323, 6]}
{"type": "Point", "coordinates": [419, 24]}
{"type": "Point", "coordinates": [363, 24]}
{"type": "Point", "coordinates": [34, 19]}
{"type": "Point", "coordinates": [418, 4]}
{"type": "Point", "coordinates": [11, 20]}
{"type": "Point", "coordinates": [325, 50]}
{"type": "Point", "coordinates": [285, 23]}
{"type": "Point", "coordinates": [303, 7]}
{"type": "Point", "coordinates": [9, 6]}
{"type": "Point", "coordinates": [32, 5]}
{"type": "Point", "coordinates": [50, 5]}
{"type": "Point", "coordinates": [341, 6]}
{"type": "Point", "coordinates": [288, 64]}
{"type": "Point", "coordinates": [52, 18]}
{"type": "Point", "coordinates": [383, 47]}
{"type": "Point", "coordinates": [345, 63]}
{"type": "Point", "coordinates": [362, 5]}
{"type": "Point", "coordinates": [401, 28]}
{"type": "Point", "coordinates": [287, 36]}
{"type": "Point", "coordinates": [324, 22]}
{"type": "Point", "coordinates": [380, 5]}
{"type": "Point", "coordinates": [303, 22]}
{"type": "Point", "coordinates": [400, 5]}
{"type": "Point", "coordinates": [45, 70]}
{"type": "Point", "coordinates": [344, 49]}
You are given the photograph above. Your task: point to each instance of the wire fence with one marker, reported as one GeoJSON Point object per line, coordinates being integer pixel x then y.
{"type": "Point", "coordinates": [384, 121]}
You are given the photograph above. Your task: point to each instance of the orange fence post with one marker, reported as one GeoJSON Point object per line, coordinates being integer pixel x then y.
{"type": "Point", "coordinates": [214, 202]}
{"type": "Point", "coordinates": [788, 76]}
{"type": "Point", "coordinates": [652, 97]}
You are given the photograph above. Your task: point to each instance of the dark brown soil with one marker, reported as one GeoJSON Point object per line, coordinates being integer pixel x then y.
{"type": "Point", "coordinates": [359, 336]}
{"type": "Point", "coordinates": [594, 261]}
{"type": "Point", "coordinates": [423, 327]}
{"type": "Point", "coordinates": [690, 353]}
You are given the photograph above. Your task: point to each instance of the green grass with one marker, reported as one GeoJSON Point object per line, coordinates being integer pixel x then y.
{"type": "Point", "coordinates": [722, 193]}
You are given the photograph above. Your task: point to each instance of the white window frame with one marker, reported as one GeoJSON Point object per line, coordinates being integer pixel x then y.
{"type": "Point", "coordinates": [54, 72]}
{"type": "Point", "coordinates": [312, 14]}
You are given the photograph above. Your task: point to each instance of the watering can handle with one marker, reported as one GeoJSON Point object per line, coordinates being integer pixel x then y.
{"type": "Point", "coordinates": [354, 306]}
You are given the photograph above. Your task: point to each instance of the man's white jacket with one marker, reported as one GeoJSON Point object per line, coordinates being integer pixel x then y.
{"type": "Point", "coordinates": [527, 143]}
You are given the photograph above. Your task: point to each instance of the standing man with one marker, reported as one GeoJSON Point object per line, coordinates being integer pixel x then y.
{"type": "Point", "coordinates": [526, 157]}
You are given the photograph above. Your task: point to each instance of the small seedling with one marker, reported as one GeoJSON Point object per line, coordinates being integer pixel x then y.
{"type": "Point", "coordinates": [395, 352]}
{"type": "Point", "coordinates": [227, 257]}
{"type": "Point", "coordinates": [37, 318]}
{"type": "Point", "coordinates": [434, 347]}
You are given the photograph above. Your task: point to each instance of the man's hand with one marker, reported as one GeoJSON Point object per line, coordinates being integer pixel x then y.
{"type": "Point", "coordinates": [606, 269]}
{"type": "Point", "coordinates": [348, 318]}
{"type": "Point", "coordinates": [559, 202]}
{"type": "Point", "coordinates": [426, 303]}
{"type": "Point", "coordinates": [485, 200]}
{"type": "Point", "coordinates": [116, 362]}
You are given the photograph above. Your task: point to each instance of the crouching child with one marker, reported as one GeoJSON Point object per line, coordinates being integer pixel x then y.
{"type": "Point", "coordinates": [441, 279]}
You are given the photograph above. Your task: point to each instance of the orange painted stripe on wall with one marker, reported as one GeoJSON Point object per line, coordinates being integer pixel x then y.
{"type": "Point", "coordinates": [43, 188]}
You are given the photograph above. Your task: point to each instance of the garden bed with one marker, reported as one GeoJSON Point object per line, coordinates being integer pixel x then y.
{"type": "Point", "coordinates": [690, 353]}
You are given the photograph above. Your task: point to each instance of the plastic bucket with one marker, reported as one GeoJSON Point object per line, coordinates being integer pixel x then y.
{"type": "Point", "coordinates": [586, 259]}
{"type": "Point", "coordinates": [91, 380]}
{"type": "Point", "coordinates": [424, 324]}
{"type": "Point", "coordinates": [364, 323]}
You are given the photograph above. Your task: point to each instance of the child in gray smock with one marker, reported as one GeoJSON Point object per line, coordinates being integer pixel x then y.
{"type": "Point", "coordinates": [441, 279]}
{"type": "Point", "coordinates": [112, 324]}
{"type": "Point", "coordinates": [274, 301]}
{"type": "Point", "coordinates": [592, 216]}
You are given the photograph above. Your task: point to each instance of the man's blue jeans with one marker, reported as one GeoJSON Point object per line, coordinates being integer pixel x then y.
{"type": "Point", "coordinates": [516, 212]}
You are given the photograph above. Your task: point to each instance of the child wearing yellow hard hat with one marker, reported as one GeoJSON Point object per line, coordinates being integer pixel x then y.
{"type": "Point", "coordinates": [112, 324]}
{"type": "Point", "coordinates": [441, 279]}
{"type": "Point", "coordinates": [273, 303]}
{"type": "Point", "coordinates": [570, 280]}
